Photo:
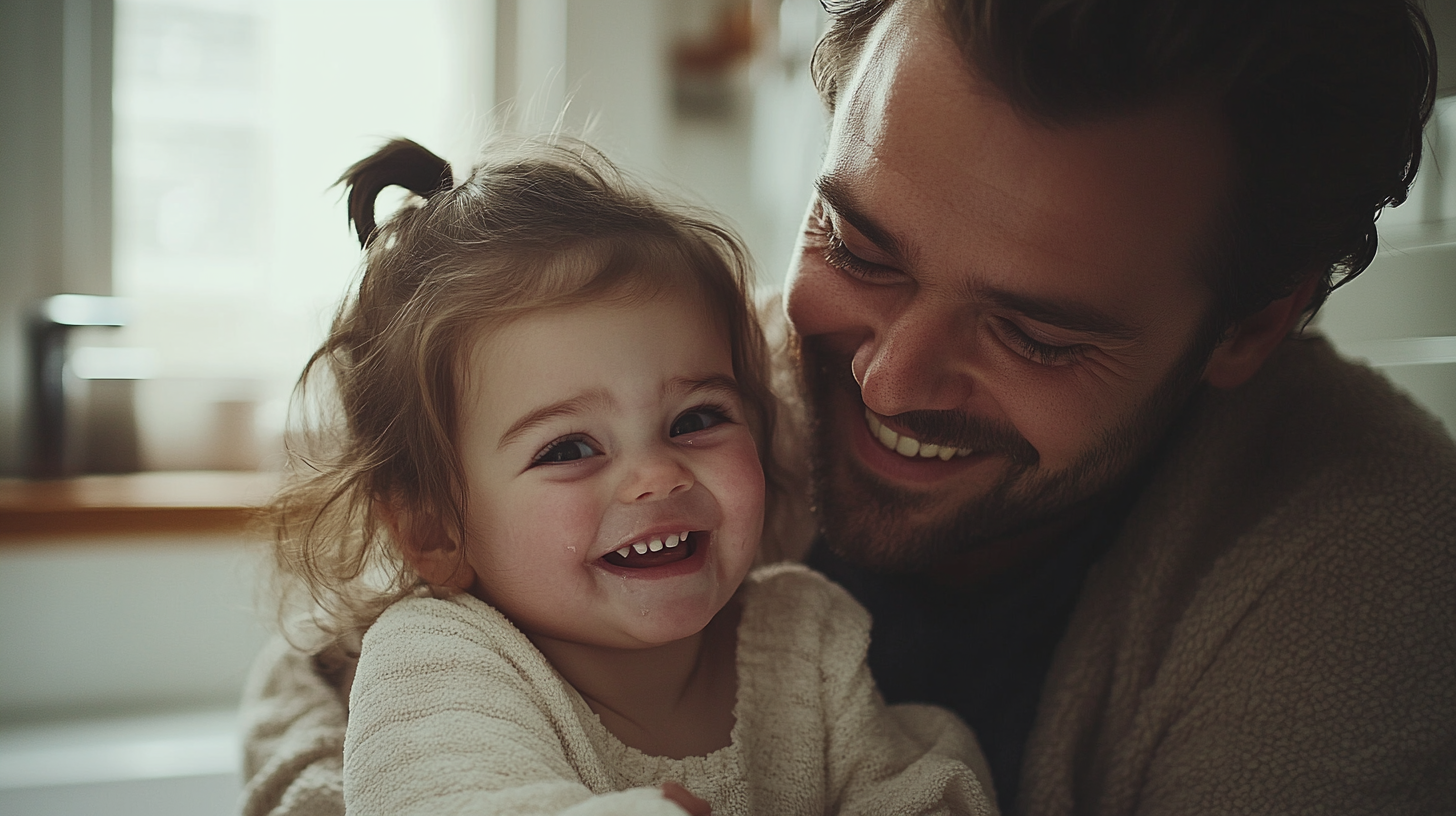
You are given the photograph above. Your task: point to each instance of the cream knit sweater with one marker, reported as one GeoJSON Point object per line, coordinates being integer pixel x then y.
{"type": "Point", "coordinates": [454, 711]}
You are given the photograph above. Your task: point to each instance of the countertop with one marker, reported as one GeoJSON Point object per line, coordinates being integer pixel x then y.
{"type": "Point", "coordinates": [134, 503]}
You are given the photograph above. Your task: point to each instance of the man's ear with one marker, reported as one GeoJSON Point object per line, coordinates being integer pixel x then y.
{"type": "Point", "coordinates": [428, 548]}
{"type": "Point", "coordinates": [1250, 342]}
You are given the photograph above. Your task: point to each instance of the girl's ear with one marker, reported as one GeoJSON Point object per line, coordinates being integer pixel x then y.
{"type": "Point", "coordinates": [428, 549]}
{"type": "Point", "coordinates": [1250, 342]}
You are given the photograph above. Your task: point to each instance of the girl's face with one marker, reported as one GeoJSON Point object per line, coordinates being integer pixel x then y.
{"type": "Point", "coordinates": [594, 438]}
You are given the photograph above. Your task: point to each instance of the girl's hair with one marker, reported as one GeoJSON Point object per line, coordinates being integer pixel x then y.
{"type": "Point", "coordinates": [539, 224]}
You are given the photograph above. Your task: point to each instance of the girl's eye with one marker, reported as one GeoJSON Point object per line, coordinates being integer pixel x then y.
{"type": "Point", "coordinates": [1037, 351]}
{"type": "Point", "coordinates": [698, 419]}
{"type": "Point", "coordinates": [563, 451]}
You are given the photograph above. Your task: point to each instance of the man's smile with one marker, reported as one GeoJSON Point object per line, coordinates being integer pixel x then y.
{"type": "Point", "coordinates": [906, 445]}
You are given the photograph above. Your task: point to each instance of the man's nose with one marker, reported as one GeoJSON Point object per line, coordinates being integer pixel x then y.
{"type": "Point", "coordinates": [914, 363]}
{"type": "Point", "coordinates": [654, 475]}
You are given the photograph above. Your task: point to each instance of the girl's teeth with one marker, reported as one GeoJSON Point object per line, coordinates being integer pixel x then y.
{"type": "Point", "coordinates": [655, 545]}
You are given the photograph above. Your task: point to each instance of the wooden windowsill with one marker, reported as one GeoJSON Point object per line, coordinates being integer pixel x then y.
{"type": "Point", "coordinates": [130, 504]}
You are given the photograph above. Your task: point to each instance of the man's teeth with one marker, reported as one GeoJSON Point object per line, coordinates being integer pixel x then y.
{"type": "Point", "coordinates": [909, 446]}
{"type": "Point", "coordinates": [654, 544]}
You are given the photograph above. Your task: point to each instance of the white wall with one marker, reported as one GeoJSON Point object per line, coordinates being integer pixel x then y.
{"type": "Point", "coordinates": [607, 65]}
{"type": "Point", "coordinates": [1400, 314]}
{"type": "Point", "coordinates": [93, 626]}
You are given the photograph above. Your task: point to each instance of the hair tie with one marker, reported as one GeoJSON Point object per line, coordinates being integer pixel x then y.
{"type": "Point", "coordinates": [399, 163]}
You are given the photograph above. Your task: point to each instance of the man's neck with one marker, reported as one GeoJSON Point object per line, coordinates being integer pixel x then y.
{"type": "Point", "coordinates": [990, 560]}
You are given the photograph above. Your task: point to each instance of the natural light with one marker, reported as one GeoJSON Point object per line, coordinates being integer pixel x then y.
{"type": "Point", "coordinates": [233, 120]}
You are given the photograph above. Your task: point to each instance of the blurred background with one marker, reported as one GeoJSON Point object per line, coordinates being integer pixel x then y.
{"type": "Point", "coordinates": [172, 247]}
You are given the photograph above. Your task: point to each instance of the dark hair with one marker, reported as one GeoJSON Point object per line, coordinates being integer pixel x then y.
{"type": "Point", "coordinates": [1325, 100]}
{"type": "Point", "coordinates": [539, 224]}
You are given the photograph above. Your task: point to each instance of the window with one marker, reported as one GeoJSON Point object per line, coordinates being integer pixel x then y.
{"type": "Point", "coordinates": [233, 119]}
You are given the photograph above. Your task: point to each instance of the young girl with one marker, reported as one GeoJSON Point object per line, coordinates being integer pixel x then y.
{"type": "Point", "coordinates": [546, 494]}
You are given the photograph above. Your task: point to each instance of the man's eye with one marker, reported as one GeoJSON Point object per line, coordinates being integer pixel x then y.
{"type": "Point", "coordinates": [698, 419]}
{"type": "Point", "coordinates": [1037, 351]}
{"type": "Point", "coordinates": [838, 255]}
{"type": "Point", "coordinates": [562, 451]}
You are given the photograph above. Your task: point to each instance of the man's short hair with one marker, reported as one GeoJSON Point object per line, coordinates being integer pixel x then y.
{"type": "Point", "coordinates": [1325, 100]}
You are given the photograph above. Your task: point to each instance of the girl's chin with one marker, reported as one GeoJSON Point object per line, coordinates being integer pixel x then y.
{"type": "Point", "coordinates": [663, 624]}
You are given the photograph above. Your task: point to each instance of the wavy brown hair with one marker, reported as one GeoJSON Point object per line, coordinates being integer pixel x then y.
{"type": "Point", "coordinates": [539, 224]}
{"type": "Point", "coordinates": [1326, 101]}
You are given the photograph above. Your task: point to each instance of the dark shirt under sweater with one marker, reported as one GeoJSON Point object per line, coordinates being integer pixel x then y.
{"type": "Point", "coordinates": [983, 653]}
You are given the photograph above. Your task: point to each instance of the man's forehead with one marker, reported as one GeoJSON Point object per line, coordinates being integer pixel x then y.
{"type": "Point", "coordinates": [917, 131]}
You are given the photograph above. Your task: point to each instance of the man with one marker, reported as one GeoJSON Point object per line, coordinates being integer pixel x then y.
{"type": "Point", "coordinates": [1041, 231]}
{"type": "Point", "coordinates": [1162, 557]}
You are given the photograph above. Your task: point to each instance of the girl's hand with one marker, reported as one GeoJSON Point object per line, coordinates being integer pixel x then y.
{"type": "Point", "coordinates": [680, 796]}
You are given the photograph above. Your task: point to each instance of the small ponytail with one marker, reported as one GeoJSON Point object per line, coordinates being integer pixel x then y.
{"type": "Point", "coordinates": [401, 163]}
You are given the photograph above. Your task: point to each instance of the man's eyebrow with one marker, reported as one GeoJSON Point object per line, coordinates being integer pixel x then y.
{"type": "Point", "coordinates": [567, 407]}
{"type": "Point", "coordinates": [1078, 317]}
{"type": "Point", "coordinates": [836, 193]}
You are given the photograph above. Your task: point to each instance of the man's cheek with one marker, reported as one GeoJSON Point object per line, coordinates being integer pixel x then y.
{"type": "Point", "coordinates": [1057, 418]}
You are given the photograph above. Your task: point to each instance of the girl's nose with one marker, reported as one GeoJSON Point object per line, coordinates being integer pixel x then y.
{"type": "Point", "coordinates": [655, 476]}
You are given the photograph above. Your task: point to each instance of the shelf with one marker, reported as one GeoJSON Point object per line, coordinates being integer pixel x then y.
{"type": "Point", "coordinates": [131, 504]}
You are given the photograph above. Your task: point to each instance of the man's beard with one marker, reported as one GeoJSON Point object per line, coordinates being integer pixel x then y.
{"type": "Point", "coordinates": [879, 525]}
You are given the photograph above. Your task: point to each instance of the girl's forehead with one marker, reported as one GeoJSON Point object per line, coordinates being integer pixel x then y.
{"type": "Point", "coordinates": [584, 311]}
{"type": "Point", "coordinates": [604, 341]}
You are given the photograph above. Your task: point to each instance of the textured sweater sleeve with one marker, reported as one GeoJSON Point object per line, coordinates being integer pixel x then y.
{"type": "Point", "coordinates": [906, 759]}
{"type": "Point", "coordinates": [1335, 694]}
{"type": "Point", "coordinates": [293, 737]}
{"type": "Point", "coordinates": [453, 712]}
{"type": "Point", "coordinates": [1275, 630]}
{"type": "Point", "coordinates": [1316, 669]}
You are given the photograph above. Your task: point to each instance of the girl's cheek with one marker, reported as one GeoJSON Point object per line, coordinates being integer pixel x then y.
{"type": "Point", "coordinates": [744, 473]}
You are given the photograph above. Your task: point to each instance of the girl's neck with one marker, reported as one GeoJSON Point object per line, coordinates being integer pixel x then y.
{"type": "Point", "coordinates": [674, 700]}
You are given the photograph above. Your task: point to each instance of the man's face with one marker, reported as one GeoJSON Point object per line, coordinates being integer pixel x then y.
{"type": "Point", "coordinates": [997, 316]}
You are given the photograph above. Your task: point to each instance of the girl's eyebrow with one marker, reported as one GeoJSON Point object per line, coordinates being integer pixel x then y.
{"type": "Point", "coordinates": [596, 397]}
{"type": "Point", "coordinates": [709, 382]}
